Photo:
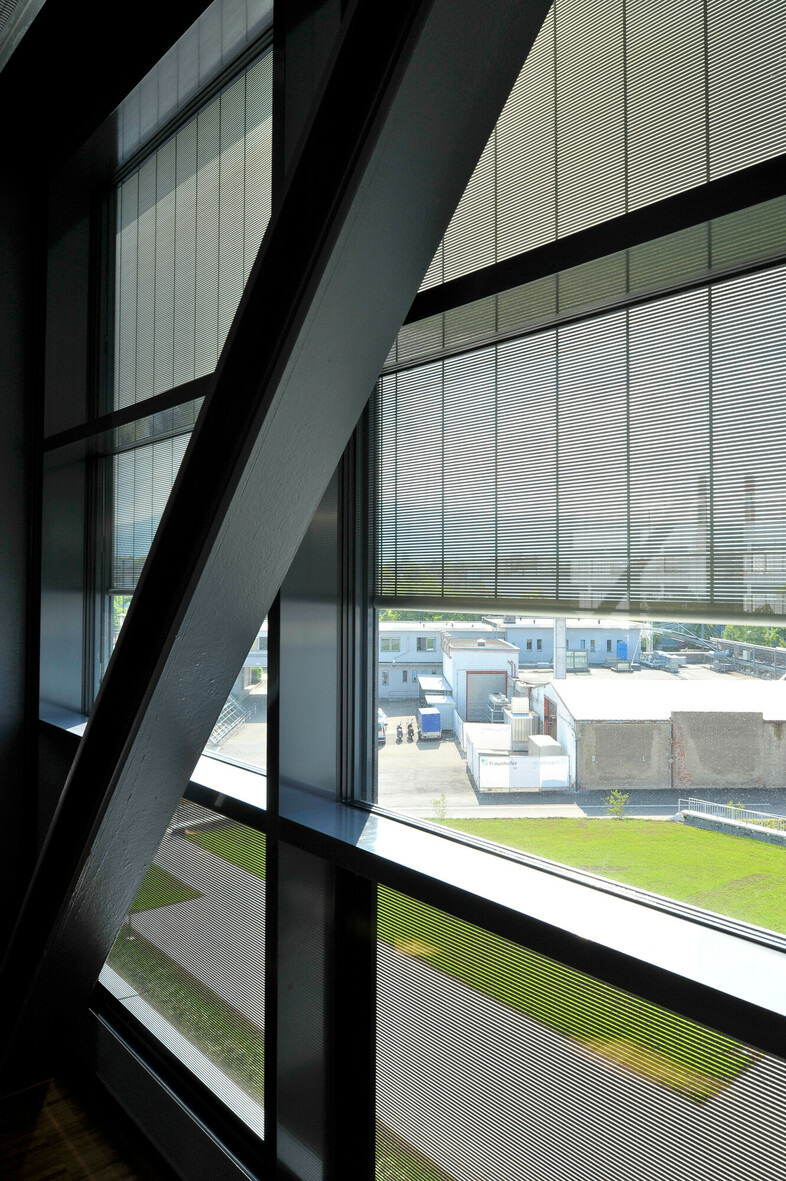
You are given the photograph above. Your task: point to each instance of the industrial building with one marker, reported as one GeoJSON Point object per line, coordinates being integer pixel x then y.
{"type": "Point", "coordinates": [605, 640]}
{"type": "Point", "coordinates": [311, 311]}
{"type": "Point", "coordinates": [410, 648]}
{"type": "Point", "coordinates": [684, 736]}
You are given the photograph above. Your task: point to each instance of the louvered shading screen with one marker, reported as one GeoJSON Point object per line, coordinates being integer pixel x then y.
{"type": "Point", "coordinates": [189, 225]}
{"type": "Point", "coordinates": [631, 461]}
{"type": "Point", "coordinates": [143, 479]}
{"type": "Point", "coordinates": [618, 106]}
{"type": "Point", "coordinates": [724, 245]}
{"type": "Point", "coordinates": [215, 40]}
{"type": "Point", "coordinates": [189, 961]}
{"type": "Point", "coordinates": [496, 1062]}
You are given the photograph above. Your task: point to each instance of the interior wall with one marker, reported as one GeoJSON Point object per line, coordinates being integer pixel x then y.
{"type": "Point", "coordinates": [17, 397]}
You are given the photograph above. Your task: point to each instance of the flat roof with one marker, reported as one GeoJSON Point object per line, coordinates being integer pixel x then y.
{"type": "Point", "coordinates": [433, 625]}
{"type": "Point", "coordinates": [585, 623]}
{"type": "Point", "coordinates": [630, 699]}
{"type": "Point", "coordinates": [479, 644]}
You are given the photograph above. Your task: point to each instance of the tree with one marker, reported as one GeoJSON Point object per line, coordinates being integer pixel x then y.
{"type": "Point", "coordinates": [771, 637]}
{"type": "Point", "coordinates": [616, 803]}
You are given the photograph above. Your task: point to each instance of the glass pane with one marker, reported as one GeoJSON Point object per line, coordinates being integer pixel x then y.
{"type": "Point", "coordinates": [240, 733]}
{"type": "Point", "coordinates": [630, 461]}
{"type": "Point", "coordinates": [189, 960]}
{"type": "Point", "coordinates": [189, 224]}
{"type": "Point", "coordinates": [614, 109]}
{"type": "Point", "coordinates": [496, 1062]}
{"type": "Point", "coordinates": [646, 753]}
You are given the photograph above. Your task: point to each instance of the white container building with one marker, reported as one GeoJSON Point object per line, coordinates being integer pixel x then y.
{"type": "Point", "coordinates": [476, 667]}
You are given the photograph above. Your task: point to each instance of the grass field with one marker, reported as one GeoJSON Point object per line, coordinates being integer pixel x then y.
{"type": "Point", "coordinates": [160, 888]}
{"type": "Point", "coordinates": [225, 1036]}
{"type": "Point", "coordinates": [735, 876]}
{"type": "Point", "coordinates": [649, 1041]}
{"type": "Point", "coordinates": [235, 843]}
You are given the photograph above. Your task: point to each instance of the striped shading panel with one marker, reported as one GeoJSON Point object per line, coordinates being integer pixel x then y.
{"type": "Point", "coordinates": [190, 221]}
{"type": "Point", "coordinates": [629, 461]}
{"type": "Point", "coordinates": [142, 480]}
{"type": "Point", "coordinates": [496, 1062]}
{"type": "Point", "coordinates": [188, 963]}
{"type": "Point", "coordinates": [618, 106]}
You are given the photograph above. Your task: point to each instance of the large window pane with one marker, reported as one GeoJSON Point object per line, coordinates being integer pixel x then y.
{"type": "Point", "coordinates": [189, 225]}
{"type": "Point", "coordinates": [647, 753]}
{"type": "Point", "coordinates": [629, 460]}
{"type": "Point", "coordinates": [188, 963]}
{"type": "Point", "coordinates": [496, 1062]}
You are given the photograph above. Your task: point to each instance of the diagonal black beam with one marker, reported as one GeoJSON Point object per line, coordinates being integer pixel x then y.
{"type": "Point", "coordinates": [391, 144]}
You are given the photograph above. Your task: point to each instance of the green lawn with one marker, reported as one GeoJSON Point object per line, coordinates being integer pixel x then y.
{"type": "Point", "coordinates": [397, 1161]}
{"type": "Point", "coordinates": [735, 876]}
{"type": "Point", "coordinates": [225, 1036]}
{"type": "Point", "coordinates": [160, 888]}
{"type": "Point", "coordinates": [684, 1057]}
{"type": "Point", "coordinates": [235, 843]}
{"type": "Point", "coordinates": [650, 1041]}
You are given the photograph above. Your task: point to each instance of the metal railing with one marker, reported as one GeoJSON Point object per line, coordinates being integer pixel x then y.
{"type": "Point", "coordinates": [733, 812]}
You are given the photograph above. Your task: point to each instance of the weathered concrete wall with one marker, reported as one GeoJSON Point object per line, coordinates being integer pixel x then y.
{"type": "Point", "coordinates": [718, 750]}
{"type": "Point", "coordinates": [774, 734]}
{"type": "Point", "coordinates": [718, 824]}
{"type": "Point", "coordinates": [624, 754]}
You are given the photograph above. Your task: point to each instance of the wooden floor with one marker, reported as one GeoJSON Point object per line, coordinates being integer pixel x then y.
{"type": "Point", "coordinates": [54, 1133]}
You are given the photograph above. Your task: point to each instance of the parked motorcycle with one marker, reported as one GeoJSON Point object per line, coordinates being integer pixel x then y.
{"type": "Point", "coordinates": [399, 733]}
{"type": "Point", "coordinates": [410, 732]}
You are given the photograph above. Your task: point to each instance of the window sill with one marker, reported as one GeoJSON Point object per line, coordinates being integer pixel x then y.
{"type": "Point", "coordinates": [726, 977]}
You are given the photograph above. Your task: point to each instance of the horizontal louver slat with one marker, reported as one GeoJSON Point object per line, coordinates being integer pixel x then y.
{"type": "Point", "coordinates": [632, 461]}
{"type": "Point", "coordinates": [616, 107]}
{"type": "Point", "coordinates": [189, 225]}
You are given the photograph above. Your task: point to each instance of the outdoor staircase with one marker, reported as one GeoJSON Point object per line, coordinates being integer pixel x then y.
{"type": "Point", "coordinates": [231, 719]}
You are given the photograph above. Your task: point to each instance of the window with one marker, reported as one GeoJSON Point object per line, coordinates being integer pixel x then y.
{"type": "Point", "coordinates": [599, 373]}
{"type": "Point", "coordinates": [189, 225]}
{"type": "Point", "coordinates": [426, 644]}
{"type": "Point", "coordinates": [592, 645]}
{"type": "Point", "coordinates": [540, 645]}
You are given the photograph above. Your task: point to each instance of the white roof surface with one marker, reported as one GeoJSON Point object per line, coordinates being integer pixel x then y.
{"type": "Point", "coordinates": [487, 735]}
{"type": "Point", "coordinates": [584, 622]}
{"type": "Point", "coordinates": [434, 626]}
{"type": "Point", "coordinates": [631, 699]}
